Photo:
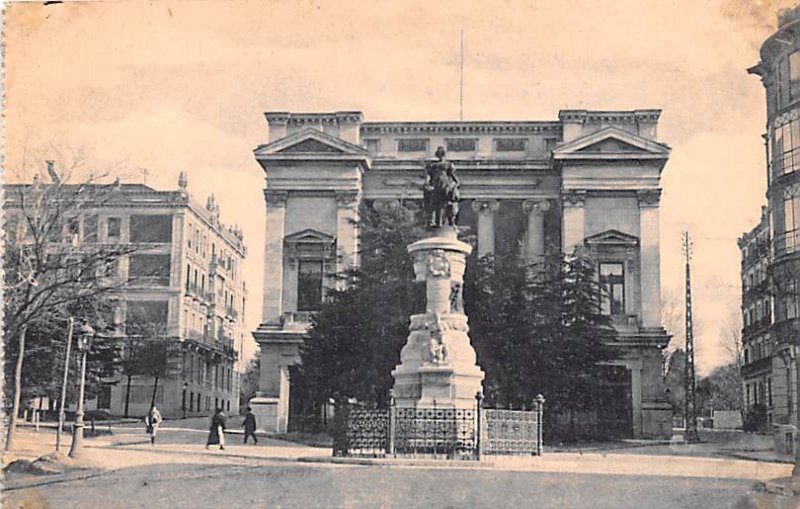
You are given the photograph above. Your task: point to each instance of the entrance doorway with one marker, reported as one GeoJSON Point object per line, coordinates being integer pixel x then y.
{"type": "Point", "coordinates": [615, 405]}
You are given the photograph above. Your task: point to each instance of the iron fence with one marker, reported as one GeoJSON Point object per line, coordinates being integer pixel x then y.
{"type": "Point", "coordinates": [452, 433]}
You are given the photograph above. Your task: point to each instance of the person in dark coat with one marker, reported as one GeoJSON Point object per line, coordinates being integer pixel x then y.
{"type": "Point", "coordinates": [249, 426]}
{"type": "Point", "coordinates": [216, 433]}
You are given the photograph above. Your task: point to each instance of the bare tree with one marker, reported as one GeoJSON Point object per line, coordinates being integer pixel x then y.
{"type": "Point", "coordinates": [149, 352]}
{"type": "Point", "coordinates": [52, 256]}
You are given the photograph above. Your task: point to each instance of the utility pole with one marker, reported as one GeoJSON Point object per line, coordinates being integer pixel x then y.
{"type": "Point", "coordinates": [690, 410]}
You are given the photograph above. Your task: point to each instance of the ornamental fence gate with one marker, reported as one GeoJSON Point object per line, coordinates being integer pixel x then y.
{"type": "Point", "coordinates": [437, 432]}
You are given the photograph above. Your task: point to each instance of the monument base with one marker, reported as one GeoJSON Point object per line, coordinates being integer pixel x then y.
{"type": "Point", "coordinates": [438, 364]}
{"type": "Point", "coordinates": [436, 386]}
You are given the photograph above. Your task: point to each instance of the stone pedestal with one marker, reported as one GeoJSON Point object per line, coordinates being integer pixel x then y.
{"type": "Point", "coordinates": [437, 364]}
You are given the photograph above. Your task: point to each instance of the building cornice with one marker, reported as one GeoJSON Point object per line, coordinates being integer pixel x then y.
{"type": "Point", "coordinates": [458, 128]}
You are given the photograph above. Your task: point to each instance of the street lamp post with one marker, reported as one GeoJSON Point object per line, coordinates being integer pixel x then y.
{"type": "Point", "coordinates": [84, 344]}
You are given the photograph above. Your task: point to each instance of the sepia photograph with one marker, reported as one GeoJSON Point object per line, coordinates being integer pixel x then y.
{"type": "Point", "coordinates": [400, 254]}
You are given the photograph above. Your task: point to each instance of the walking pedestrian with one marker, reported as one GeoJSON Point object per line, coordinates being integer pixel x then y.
{"type": "Point", "coordinates": [216, 433]}
{"type": "Point", "coordinates": [152, 421]}
{"type": "Point", "coordinates": [249, 426]}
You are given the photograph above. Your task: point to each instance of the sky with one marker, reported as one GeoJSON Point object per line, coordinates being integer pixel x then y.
{"type": "Point", "coordinates": [128, 86]}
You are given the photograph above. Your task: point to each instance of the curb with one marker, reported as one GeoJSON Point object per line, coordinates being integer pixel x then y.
{"type": "Point", "coordinates": [215, 452]}
{"type": "Point", "coordinates": [35, 482]}
{"type": "Point", "coordinates": [396, 462]}
{"type": "Point", "coordinates": [743, 456]}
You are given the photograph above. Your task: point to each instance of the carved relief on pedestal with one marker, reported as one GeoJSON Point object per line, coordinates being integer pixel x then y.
{"type": "Point", "coordinates": [456, 297]}
{"type": "Point", "coordinates": [438, 264]}
{"type": "Point", "coordinates": [436, 351]}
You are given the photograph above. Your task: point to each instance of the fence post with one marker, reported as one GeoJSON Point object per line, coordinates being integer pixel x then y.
{"type": "Point", "coordinates": [539, 424]}
{"type": "Point", "coordinates": [392, 423]}
{"type": "Point", "coordinates": [340, 415]}
{"type": "Point", "coordinates": [478, 411]}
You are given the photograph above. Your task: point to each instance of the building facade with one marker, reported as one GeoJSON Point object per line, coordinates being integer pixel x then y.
{"type": "Point", "coordinates": [779, 69]}
{"type": "Point", "coordinates": [183, 281]}
{"type": "Point", "coordinates": [765, 373]}
{"type": "Point", "coordinates": [588, 180]}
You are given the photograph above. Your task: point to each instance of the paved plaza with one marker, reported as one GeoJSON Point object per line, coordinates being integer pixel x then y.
{"type": "Point", "coordinates": [124, 471]}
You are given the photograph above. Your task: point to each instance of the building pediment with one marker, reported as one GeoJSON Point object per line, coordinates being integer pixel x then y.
{"type": "Point", "coordinates": [612, 238]}
{"type": "Point", "coordinates": [309, 235]}
{"type": "Point", "coordinates": [309, 243]}
{"type": "Point", "coordinates": [611, 143]}
{"type": "Point", "coordinates": [310, 142]}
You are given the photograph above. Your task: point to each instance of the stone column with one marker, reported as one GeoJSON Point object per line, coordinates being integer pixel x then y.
{"type": "Point", "coordinates": [534, 245]}
{"type": "Point", "coordinates": [485, 210]}
{"type": "Point", "coordinates": [572, 222]}
{"type": "Point", "coordinates": [650, 258]}
{"type": "Point", "coordinates": [346, 232]}
{"type": "Point", "coordinates": [273, 255]}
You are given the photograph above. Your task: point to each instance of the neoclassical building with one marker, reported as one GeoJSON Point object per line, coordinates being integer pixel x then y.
{"type": "Point", "coordinates": [589, 180]}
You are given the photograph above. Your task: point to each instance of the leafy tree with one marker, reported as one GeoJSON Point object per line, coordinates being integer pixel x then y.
{"type": "Point", "coordinates": [674, 380]}
{"type": "Point", "coordinates": [535, 329]}
{"type": "Point", "coordinates": [355, 338]}
{"type": "Point", "coordinates": [721, 390]}
{"type": "Point", "coordinates": [539, 330]}
{"type": "Point", "coordinates": [47, 336]}
{"type": "Point", "coordinates": [250, 378]}
{"type": "Point", "coordinates": [47, 264]}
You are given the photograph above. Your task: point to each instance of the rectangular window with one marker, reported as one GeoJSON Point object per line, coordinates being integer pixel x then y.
{"type": "Point", "coordinates": [11, 227]}
{"type": "Point", "coordinates": [309, 285]}
{"type": "Point", "coordinates": [90, 229]}
{"type": "Point", "coordinates": [510, 144]}
{"type": "Point", "coordinates": [146, 312]}
{"type": "Point", "coordinates": [791, 213]}
{"type": "Point", "coordinates": [794, 75]}
{"type": "Point", "coordinates": [151, 228]}
{"type": "Point", "coordinates": [373, 146]}
{"type": "Point", "coordinates": [769, 391]}
{"type": "Point", "coordinates": [113, 228]}
{"type": "Point", "coordinates": [461, 144]}
{"type": "Point", "coordinates": [612, 287]}
{"type": "Point", "coordinates": [150, 269]}
{"type": "Point", "coordinates": [412, 145]}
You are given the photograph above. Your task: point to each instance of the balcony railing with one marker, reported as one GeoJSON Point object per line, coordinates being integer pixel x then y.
{"type": "Point", "coordinates": [149, 281]}
{"type": "Point", "coordinates": [786, 331]}
{"type": "Point", "coordinates": [787, 243]}
{"type": "Point", "coordinates": [786, 162]}
{"type": "Point", "coordinates": [759, 365]}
